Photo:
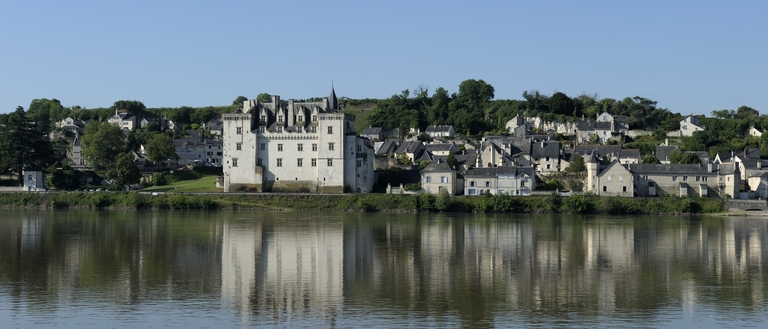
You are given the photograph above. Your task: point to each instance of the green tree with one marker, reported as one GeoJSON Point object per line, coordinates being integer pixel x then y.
{"type": "Point", "coordinates": [451, 160]}
{"type": "Point", "coordinates": [45, 112]}
{"type": "Point", "coordinates": [161, 148]}
{"type": "Point", "coordinates": [560, 103]}
{"type": "Point", "coordinates": [102, 143]}
{"type": "Point", "coordinates": [22, 144]}
{"type": "Point", "coordinates": [746, 113]}
{"type": "Point", "coordinates": [181, 115]}
{"type": "Point", "coordinates": [577, 164]}
{"type": "Point", "coordinates": [124, 170]}
{"type": "Point", "coordinates": [650, 158]}
{"type": "Point", "coordinates": [677, 157]}
{"type": "Point", "coordinates": [239, 100]}
{"type": "Point", "coordinates": [443, 200]}
{"type": "Point", "coordinates": [264, 98]}
{"type": "Point", "coordinates": [203, 115]}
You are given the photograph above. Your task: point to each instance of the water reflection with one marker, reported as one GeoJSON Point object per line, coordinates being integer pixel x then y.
{"type": "Point", "coordinates": [358, 269]}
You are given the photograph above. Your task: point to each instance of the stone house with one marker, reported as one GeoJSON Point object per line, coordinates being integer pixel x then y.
{"type": "Point", "coordinates": [441, 149]}
{"type": "Point", "coordinates": [440, 131]}
{"type": "Point", "coordinates": [689, 125]}
{"type": "Point", "coordinates": [414, 150]}
{"type": "Point", "coordinates": [546, 156]}
{"type": "Point", "coordinates": [500, 180]}
{"type": "Point", "coordinates": [373, 133]}
{"type": "Point", "coordinates": [754, 132]}
{"type": "Point", "coordinates": [126, 121]}
{"type": "Point", "coordinates": [295, 146]}
{"type": "Point", "coordinates": [72, 125]}
{"type": "Point", "coordinates": [437, 176]}
{"type": "Point", "coordinates": [75, 154]}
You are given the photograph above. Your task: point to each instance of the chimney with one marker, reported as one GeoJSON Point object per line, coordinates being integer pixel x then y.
{"type": "Point", "coordinates": [759, 164]}
{"type": "Point", "coordinates": [709, 167]}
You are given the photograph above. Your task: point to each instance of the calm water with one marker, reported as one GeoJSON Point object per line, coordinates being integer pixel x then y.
{"type": "Point", "coordinates": [162, 269]}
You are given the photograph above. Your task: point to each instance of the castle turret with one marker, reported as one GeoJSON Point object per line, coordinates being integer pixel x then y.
{"type": "Point", "coordinates": [592, 171]}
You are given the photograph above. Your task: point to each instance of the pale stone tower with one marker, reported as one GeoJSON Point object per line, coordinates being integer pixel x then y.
{"type": "Point", "coordinates": [592, 171]}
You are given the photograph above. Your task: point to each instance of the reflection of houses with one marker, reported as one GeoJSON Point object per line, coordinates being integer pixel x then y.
{"type": "Point", "coordinates": [500, 180]}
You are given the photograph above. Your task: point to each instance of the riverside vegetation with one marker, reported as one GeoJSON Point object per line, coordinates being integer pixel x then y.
{"type": "Point", "coordinates": [574, 204]}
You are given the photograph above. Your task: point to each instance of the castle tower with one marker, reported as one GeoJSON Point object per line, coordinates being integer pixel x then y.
{"type": "Point", "coordinates": [592, 171]}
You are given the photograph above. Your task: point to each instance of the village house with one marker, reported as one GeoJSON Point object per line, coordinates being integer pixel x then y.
{"type": "Point", "coordinates": [441, 149]}
{"type": "Point", "coordinates": [295, 146]}
{"type": "Point", "coordinates": [373, 133]}
{"type": "Point", "coordinates": [124, 120]}
{"type": "Point", "coordinates": [437, 176]}
{"type": "Point", "coordinates": [689, 125]}
{"type": "Point", "coordinates": [71, 125]}
{"type": "Point", "coordinates": [440, 131]}
{"type": "Point", "coordinates": [75, 154]}
{"type": "Point", "coordinates": [500, 180]}
{"type": "Point", "coordinates": [546, 156]}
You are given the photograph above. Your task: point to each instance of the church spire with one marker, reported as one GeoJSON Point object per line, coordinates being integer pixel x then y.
{"type": "Point", "coordinates": [333, 102]}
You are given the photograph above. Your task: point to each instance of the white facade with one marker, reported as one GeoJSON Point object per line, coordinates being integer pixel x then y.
{"type": "Point", "coordinates": [299, 147]}
{"type": "Point", "coordinates": [689, 125]}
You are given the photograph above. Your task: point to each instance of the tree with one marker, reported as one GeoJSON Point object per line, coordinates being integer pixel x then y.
{"type": "Point", "coordinates": [22, 144]}
{"type": "Point", "coordinates": [181, 115]}
{"type": "Point", "coordinates": [677, 157]}
{"type": "Point", "coordinates": [161, 148]}
{"type": "Point", "coordinates": [264, 98]}
{"type": "Point", "coordinates": [561, 104]}
{"type": "Point", "coordinates": [239, 100]}
{"type": "Point", "coordinates": [746, 113]}
{"type": "Point", "coordinates": [134, 107]}
{"type": "Point", "coordinates": [124, 171]}
{"type": "Point", "coordinates": [102, 143]}
{"type": "Point", "coordinates": [577, 164]}
{"type": "Point", "coordinates": [451, 160]}
{"type": "Point", "coordinates": [650, 158]}
{"type": "Point", "coordinates": [203, 115]}
{"type": "Point", "coordinates": [45, 111]}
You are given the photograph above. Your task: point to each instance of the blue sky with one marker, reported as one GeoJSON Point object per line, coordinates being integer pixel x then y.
{"type": "Point", "coordinates": [689, 56]}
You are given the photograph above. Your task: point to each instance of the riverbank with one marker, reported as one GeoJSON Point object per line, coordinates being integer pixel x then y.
{"type": "Point", "coordinates": [575, 204]}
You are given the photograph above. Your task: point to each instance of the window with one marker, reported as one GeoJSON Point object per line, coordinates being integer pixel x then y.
{"type": "Point", "coordinates": [359, 163]}
{"type": "Point", "coordinates": [359, 148]}
{"type": "Point", "coordinates": [314, 147]}
{"type": "Point", "coordinates": [621, 178]}
{"type": "Point", "coordinates": [547, 159]}
{"type": "Point", "coordinates": [279, 129]}
{"type": "Point", "coordinates": [314, 118]}
{"type": "Point", "coordinates": [262, 146]}
{"type": "Point", "coordinates": [330, 162]}
{"type": "Point", "coordinates": [487, 184]}
{"type": "Point", "coordinates": [260, 163]}
{"type": "Point", "coordinates": [262, 129]}
{"type": "Point", "coordinates": [605, 188]}
{"type": "Point", "coordinates": [238, 146]}
{"type": "Point", "coordinates": [472, 184]}
{"type": "Point", "coordinates": [471, 191]}
{"type": "Point", "coordinates": [239, 130]}
{"type": "Point", "coordinates": [522, 183]}
{"type": "Point", "coordinates": [610, 178]}
{"type": "Point", "coordinates": [279, 162]}
{"type": "Point", "coordinates": [299, 162]}
{"type": "Point", "coordinates": [301, 118]}
{"type": "Point", "coordinates": [549, 166]}
{"type": "Point", "coordinates": [29, 178]}
{"type": "Point", "coordinates": [234, 162]}
{"type": "Point", "coordinates": [263, 118]}
{"type": "Point", "coordinates": [330, 129]}
{"type": "Point", "coordinates": [330, 146]}
{"type": "Point", "coordinates": [443, 179]}
{"type": "Point", "coordinates": [704, 178]}
{"type": "Point", "coordinates": [428, 179]}
{"type": "Point", "coordinates": [298, 129]}
{"type": "Point", "coordinates": [314, 162]}
{"type": "Point", "coordinates": [301, 147]}
{"type": "Point", "coordinates": [674, 178]}
{"type": "Point", "coordinates": [279, 118]}
{"type": "Point", "coordinates": [279, 147]}
{"type": "Point", "coordinates": [624, 189]}
{"type": "Point", "coordinates": [698, 178]}
{"type": "Point", "coordinates": [685, 178]}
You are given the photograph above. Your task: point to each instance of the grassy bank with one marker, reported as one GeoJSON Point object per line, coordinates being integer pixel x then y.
{"type": "Point", "coordinates": [368, 202]}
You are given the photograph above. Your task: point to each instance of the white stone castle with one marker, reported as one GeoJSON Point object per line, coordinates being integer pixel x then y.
{"type": "Point", "coordinates": [295, 147]}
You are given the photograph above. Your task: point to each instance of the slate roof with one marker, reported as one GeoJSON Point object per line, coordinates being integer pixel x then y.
{"type": "Point", "coordinates": [630, 153]}
{"type": "Point", "coordinates": [662, 152]}
{"type": "Point", "coordinates": [599, 150]}
{"type": "Point", "coordinates": [703, 156]}
{"type": "Point", "coordinates": [438, 166]}
{"type": "Point", "coordinates": [495, 171]}
{"type": "Point", "coordinates": [376, 131]}
{"type": "Point", "coordinates": [439, 147]}
{"type": "Point", "coordinates": [386, 145]}
{"type": "Point", "coordinates": [589, 125]}
{"type": "Point", "coordinates": [438, 129]}
{"type": "Point", "coordinates": [545, 149]}
{"type": "Point", "coordinates": [674, 169]}
{"type": "Point", "coordinates": [408, 147]}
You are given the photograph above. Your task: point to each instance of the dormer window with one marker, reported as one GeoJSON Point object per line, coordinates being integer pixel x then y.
{"type": "Point", "coordinates": [300, 118]}
{"type": "Point", "coordinates": [314, 118]}
{"type": "Point", "coordinates": [263, 118]}
{"type": "Point", "coordinates": [279, 130]}
{"type": "Point", "coordinates": [280, 118]}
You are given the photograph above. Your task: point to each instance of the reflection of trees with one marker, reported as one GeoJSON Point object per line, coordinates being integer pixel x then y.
{"type": "Point", "coordinates": [472, 268]}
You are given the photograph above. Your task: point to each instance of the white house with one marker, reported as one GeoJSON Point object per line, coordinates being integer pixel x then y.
{"type": "Point", "coordinates": [500, 180]}
{"type": "Point", "coordinates": [295, 146]}
{"type": "Point", "coordinates": [689, 125]}
{"type": "Point", "coordinates": [126, 121]}
{"type": "Point", "coordinates": [440, 131]}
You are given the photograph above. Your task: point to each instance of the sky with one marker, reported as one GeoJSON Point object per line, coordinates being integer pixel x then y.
{"type": "Point", "coordinates": [691, 57]}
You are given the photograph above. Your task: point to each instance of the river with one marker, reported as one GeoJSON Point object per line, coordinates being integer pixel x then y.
{"type": "Point", "coordinates": [253, 269]}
